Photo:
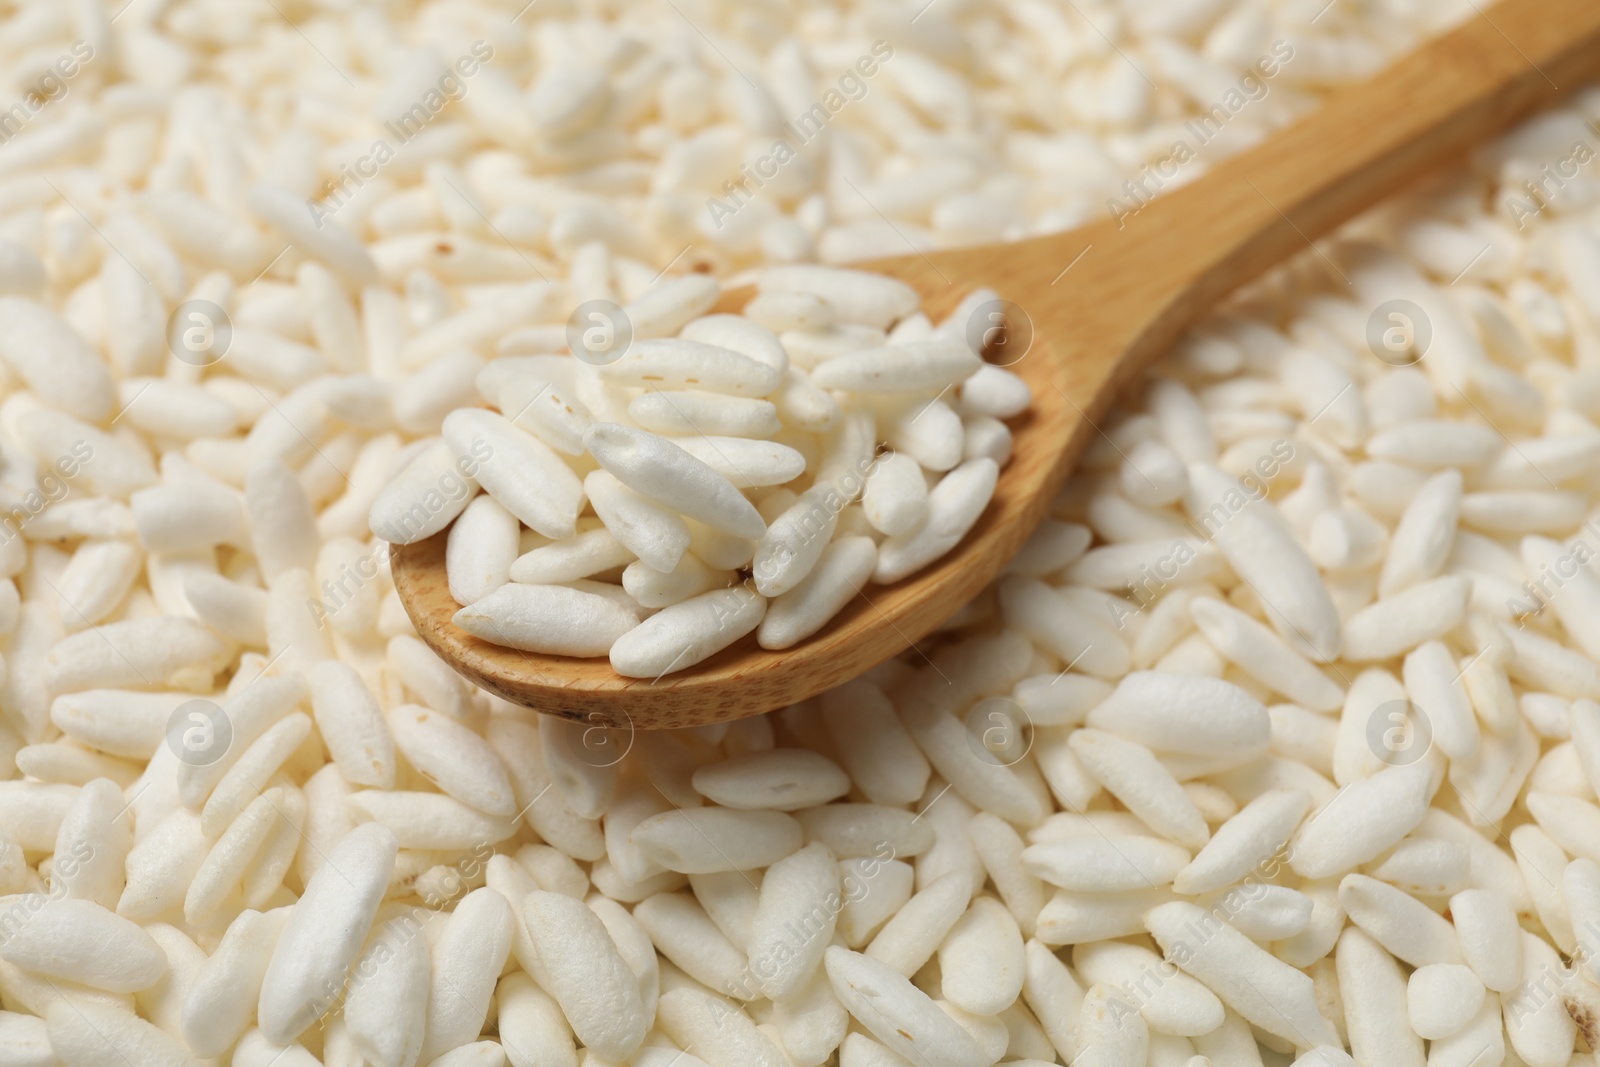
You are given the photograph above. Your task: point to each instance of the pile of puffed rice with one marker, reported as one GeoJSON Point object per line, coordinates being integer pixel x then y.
{"type": "Point", "coordinates": [1278, 744]}
{"type": "Point", "coordinates": [676, 421]}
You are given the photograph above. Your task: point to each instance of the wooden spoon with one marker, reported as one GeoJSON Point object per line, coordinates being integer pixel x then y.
{"type": "Point", "coordinates": [1103, 301]}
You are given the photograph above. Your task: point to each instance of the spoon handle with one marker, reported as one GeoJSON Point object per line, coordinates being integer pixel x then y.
{"type": "Point", "coordinates": [1173, 257]}
{"type": "Point", "coordinates": [1434, 104]}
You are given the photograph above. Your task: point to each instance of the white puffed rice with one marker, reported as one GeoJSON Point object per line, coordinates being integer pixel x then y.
{"type": "Point", "coordinates": [1278, 743]}
{"type": "Point", "coordinates": [676, 423]}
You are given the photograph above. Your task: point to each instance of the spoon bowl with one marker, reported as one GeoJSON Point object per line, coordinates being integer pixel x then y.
{"type": "Point", "coordinates": [1100, 302]}
{"type": "Point", "coordinates": [746, 679]}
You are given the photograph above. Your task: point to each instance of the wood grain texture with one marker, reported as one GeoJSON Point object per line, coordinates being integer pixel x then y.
{"type": "Point", "coordinates": [1131, 290]}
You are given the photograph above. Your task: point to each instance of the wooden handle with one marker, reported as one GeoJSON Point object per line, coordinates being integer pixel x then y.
{"type": "Point", "coordinates": [1430, 106]}
{"type": "Point", "coordinates": [1185, 249]}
